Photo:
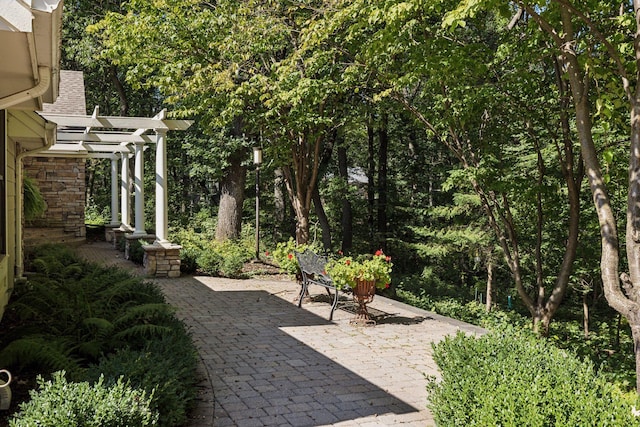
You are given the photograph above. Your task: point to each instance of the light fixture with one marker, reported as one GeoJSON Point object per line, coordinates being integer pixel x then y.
{"type": "Point", "coordinates": [257, 160]}
{"type": "Point", "coordinates": [257, 156]}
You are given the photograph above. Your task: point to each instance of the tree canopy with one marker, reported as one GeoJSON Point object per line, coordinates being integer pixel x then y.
{"type": "Point", "coordinates": [479, 125]}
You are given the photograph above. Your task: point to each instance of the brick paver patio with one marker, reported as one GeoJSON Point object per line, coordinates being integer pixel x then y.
{"type": "Point", "coordinates": [268, 363]}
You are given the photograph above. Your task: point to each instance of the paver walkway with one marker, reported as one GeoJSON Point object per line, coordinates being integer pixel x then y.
{"type": "Point", "coordinates": [268, 363]}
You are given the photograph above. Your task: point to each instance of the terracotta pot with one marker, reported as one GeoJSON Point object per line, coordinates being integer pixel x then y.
{"type": "Point", "coordinates": [365, 288]}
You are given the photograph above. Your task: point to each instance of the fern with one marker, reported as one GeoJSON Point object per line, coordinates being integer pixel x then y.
{"type": "Point", "coordinates": [145, 313]}
{"type": "Point", "coordinates": [137, 332]}
{"type": "Point", "coordinates": [45, 352]}
{"type": "Point", "coordinates": [34, 204]}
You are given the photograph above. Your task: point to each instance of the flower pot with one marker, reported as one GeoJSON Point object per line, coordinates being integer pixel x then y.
{"type": "Point", "coordinates": [363, 294]}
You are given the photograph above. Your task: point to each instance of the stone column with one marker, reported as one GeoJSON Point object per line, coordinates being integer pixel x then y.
{"type": "Point", "coordinates": [138, 184]}
{"type": "Point", "coordinates": [162, 204]}
{"type": "Point", "coordinates": [114, 192]}
{"type": "Point", "coordinates": [124, 192]}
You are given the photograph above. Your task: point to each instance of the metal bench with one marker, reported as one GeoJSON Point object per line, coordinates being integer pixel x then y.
{"type": "Point", "coordinates": [312, 267]}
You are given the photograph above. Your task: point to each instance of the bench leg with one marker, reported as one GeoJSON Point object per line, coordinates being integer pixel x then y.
{"type": "Point", "coordinates": [335, 303]}
{"type": "Point", "coordinates": [303, 292]}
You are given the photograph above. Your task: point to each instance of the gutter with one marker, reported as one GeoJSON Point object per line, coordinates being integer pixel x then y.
{"type": "Point", "coordinates": [50, 139]}
{"type": "Point", "coordinates": [44, 80]}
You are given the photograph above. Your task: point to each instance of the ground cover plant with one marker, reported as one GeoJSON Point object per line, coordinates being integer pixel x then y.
{"type": "Point", "coordinates": [103, 327]}
{"type": "Point", "coordinates": [203, 254]}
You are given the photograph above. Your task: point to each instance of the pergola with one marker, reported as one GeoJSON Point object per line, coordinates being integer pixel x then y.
{"type": "Point", "coordinates": [117, 139]}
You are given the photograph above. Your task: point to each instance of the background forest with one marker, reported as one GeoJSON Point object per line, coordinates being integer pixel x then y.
{"type": "Point", "coordinates": [469, 140]}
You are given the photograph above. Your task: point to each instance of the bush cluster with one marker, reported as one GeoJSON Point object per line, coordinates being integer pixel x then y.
{"type": "Point", "coordinates": [516, 379]}
{"type": "Point", "coordinates": [97, 322]}
{"type": "Point", "coordinates": [284, 256]}
{"type": "Point", "coordinates": [60, 403]}
{"type": "Point", "coordinates": [211, 257]}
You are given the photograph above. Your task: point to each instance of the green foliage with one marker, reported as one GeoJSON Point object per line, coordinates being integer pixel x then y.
{"type": "Point", "coordinates": [59, 403]}
{"type": "Point", "coordinates": [284, 256]}
{"type": "Point", "coordinates": [192, 243]}
{"type": "Point", "coordinates": [210, 256]}
{"type": "Point", "coordinates": [515, 379]}
{"type": "Point", "coordinates": [136, 251]}
{"type": "Point", "coordinates": [72, 315]}
{"type": "Point", "coordinates": [47, 353]}
{"type": "Point", "coordinates": [95, 215]}
{"type": "Point", "coordinates": [234, 254]}
{"type": "Point", "coordinates": [223, 258]}
{"type": "Point", "coordinates": [347, 271]}
{"type": "Point", "coordinates": [209, 261]}
{"type": "Point", "coordinates": [34, 204]}
{"type": "Point", "coordinates": [164, 368]}
{"type": "Point", "coordinates": [471, 312]}
{"type": "Point", "coordinates": [74, 311]}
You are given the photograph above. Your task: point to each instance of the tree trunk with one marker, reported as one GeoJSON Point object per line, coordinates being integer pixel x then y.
{"type": "Point", "coordinates": [90, 180]}
{"type": "Point", "coordinates": [302, 224]}
{"type": "Point", "coordinates": [489, 302]}
{"type": "Point", "coordinates": [122, 94]}
{"type": "Point", "coordinates": [383, 139]}
{"type": "Point", "coordinates": [231, 199]}
{"type": "Point", "coordinates": [279, 205]}
{"type": "Point", "coordinates": [347, 216]}
{"type": "Point", "coordinates": [634, 322]}
{"type": "Point", "coordinates": [371, 170]}
{"type": "Point", "coordinates": [324, 221]}
{"type": "Point", "coordinates": [585, 314]}
{"type": "Point", "coordinates": [627, 304]}
{"type": "Point", "coordinates": [301, 179]}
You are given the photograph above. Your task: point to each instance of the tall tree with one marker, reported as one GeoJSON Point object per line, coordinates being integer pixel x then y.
{"type": "Point", "coordinates": [598, 43]}
{"type": "Point", "coordinates": [459, 87]}
{"type": "Point", "coordinates": [194, 53]}
{"type": "Point", "coordinates": [235, 59]}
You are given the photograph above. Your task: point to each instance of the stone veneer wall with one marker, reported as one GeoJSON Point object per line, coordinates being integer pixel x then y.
{"type": "Point", "coordinates": [62, 184]}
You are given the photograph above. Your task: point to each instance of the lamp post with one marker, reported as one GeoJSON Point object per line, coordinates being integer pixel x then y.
{"type": "Point", "coordinates": [257, 160]}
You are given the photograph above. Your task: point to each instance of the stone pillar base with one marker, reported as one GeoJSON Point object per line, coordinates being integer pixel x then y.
{"type": "Point", "coordinates": [109, 234]}
{"type": "Point", "coordinates": [118, 234]}
{"type": "Point", "coordinates": [162, 260]}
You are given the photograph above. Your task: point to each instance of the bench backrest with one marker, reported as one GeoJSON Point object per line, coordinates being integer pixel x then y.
{"type": "Point", "coordinates": [311, 263]}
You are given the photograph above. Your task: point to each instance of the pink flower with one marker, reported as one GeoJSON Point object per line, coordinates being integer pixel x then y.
{"type": "Point", "coordinates": [388, 259]}
{"type": "Point", "coordinates": [266, 253]}
{"type": "Point", "coordinates": [348, 262]}
{"type": "Point", "coordinates": [290, 256]}
{"type": "Point", "coordinates": [379, 252]}
{"type": "Point", "coordinates": [340, 252]}
{"type": "Point", "coordinates": [387, 286]}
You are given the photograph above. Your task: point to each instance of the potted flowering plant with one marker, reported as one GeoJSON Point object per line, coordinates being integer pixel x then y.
{"type": "Point", "coordinates": [347, 272]}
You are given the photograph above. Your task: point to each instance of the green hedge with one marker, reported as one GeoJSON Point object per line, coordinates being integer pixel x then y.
{"type": "Point", "coordinates": [515, 379]}
{"type": "Point", "coordinates": [59, 403]}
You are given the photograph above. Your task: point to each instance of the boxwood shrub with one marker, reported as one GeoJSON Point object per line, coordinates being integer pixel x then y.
{"type": "Point", "coordinates": [58, 403]}
{"type": "Point", "coordinates": [515, 379]}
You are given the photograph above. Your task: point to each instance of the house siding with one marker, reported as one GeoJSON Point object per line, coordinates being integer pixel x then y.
{"type": "Point", "coordinates": [7, 261]}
